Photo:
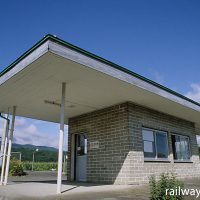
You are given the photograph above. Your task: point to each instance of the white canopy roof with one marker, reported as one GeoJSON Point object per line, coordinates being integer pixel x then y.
{"type": "Point", "coordinates": [92, 83]}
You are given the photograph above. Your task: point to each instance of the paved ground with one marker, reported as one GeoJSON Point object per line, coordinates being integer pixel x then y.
{"type": "Point", "coordinates": [73, 192]}
{"type": "Point", "coordinates": [43, 176]}
{"type": "Point", "coordinates": [42, 186]}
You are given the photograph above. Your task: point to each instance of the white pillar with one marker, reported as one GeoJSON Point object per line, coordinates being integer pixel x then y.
{"type": "Point", "coordinates": [3, 139]}
{"type": "Point", "coordinates": [61, 137]}
{"type": "Point", "coordinates": [4, 152]}
{"type": "Point", "coordinates": [10, 145]}
{"type": "Point", "coordinates": [4, 160]}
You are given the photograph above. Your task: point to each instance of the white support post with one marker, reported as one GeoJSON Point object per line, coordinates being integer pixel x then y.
{"type": "Point", "coordinates": [10, 145]}
{"type": "Point", "coordinates": [3, 139]}
{"type": "Point", "coordinates": [4, 152]}
{"type": "Point", "coordinates": [61, 137]}
{"type": "Point", "coordinates": [4, 160]}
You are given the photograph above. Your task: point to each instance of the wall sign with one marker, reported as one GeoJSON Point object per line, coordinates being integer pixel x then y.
{"type": "Point", "coordinates": [94, 145]}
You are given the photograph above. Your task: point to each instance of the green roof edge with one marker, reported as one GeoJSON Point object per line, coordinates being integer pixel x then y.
{"type": "Point", "coordinates": [91, 55]}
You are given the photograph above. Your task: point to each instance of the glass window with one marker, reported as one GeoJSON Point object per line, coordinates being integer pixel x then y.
{"type": "Point", "coordinates": [180, 146]}
{"type": "Point", "coordinates": [155, 144]}
{"type": "Point", "coordinates": [161, 145]}
{"type": "Point", "coordinates": [81, 145]}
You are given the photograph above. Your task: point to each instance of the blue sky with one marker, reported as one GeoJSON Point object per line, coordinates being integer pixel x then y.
{"type": "Point", "coordinates": [157, 39]}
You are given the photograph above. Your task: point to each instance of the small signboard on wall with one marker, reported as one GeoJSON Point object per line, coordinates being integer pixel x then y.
{"type": "Point", "coordinates": [94, 145]}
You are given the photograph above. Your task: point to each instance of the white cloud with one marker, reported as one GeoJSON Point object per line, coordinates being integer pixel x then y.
{"type": "Point", "coordinates": [194, 93]}
{"type": "Point", "coordinates": [35, 132]}
{"type": "Point", "coordinates": [30, 129]}
{"type": "Point", "coordinates": [157, 76]}
{"type": "Point", "coordinates": [26, 133]}
{"type": "Point", "coordinates": [20, 121]}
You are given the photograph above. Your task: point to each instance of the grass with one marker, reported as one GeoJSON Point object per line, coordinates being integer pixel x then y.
{"type": "Point", "coordinates": [40, 166]}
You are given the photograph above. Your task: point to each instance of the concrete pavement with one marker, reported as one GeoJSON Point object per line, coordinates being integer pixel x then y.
{"type": "Point", "coordinates": [42, 185]}
{"type": "Point", "coordinates": [35, 190]}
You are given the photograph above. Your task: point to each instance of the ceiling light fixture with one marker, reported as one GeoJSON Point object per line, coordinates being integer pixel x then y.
{"type": "Point", "coordinates": [52, 103]}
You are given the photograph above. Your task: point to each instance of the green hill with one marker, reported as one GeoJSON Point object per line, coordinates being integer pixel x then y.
{"type": "Point", "coordinates": [45, 154]}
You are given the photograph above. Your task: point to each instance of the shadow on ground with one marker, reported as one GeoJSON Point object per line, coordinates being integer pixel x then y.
{"type": "Point", "coordinates": [42, 186]}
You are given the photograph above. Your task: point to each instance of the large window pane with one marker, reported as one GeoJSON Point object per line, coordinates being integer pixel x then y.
{"type": "Point", "coordinates": [155, 144]}
{"type": "Point", "coordinates": [174, 147]}
{"type": "Point", "coordinates": [180, 145]}
{"type": "Point", "coordinates": [149, 149]}
{"type": "Point", "coordinates": [148, 135]}
{"type": "Point", "coordinates": [161, 145]}
{"type": "Point", "coordinates": [185, 148]}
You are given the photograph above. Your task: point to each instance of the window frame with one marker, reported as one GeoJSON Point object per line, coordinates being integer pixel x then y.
{"type": "Point", "coordinates": [155, 145]}
{"type": "Point", "coordinates": [189, 147]}
{"type": "Point", "coordinates": [81, 152]}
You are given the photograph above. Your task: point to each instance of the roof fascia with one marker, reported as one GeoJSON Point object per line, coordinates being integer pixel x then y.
{"type": "Point", "coordinates": [93, 56]}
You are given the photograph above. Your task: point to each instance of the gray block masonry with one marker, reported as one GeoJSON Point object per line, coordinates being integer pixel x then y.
{"type": "Point", "coordinates": [120, 158]}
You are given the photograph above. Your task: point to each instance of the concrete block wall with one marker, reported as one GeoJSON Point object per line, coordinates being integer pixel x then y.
{"type": "Point", "coordinates": [109, 127]}
{"type": "Point", "coordinates": [120, 158]}
{"type": "Point", "coordinates": [140, 170]}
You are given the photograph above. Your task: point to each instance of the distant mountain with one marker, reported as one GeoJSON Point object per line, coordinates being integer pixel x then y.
{"type": "Point", "coordinates": [30, 146]}
{"type": "Point", "coordinates": [45, 154]}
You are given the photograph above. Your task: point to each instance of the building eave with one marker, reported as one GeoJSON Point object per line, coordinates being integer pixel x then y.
{"type": "Point", "coordinates": [98, 58]}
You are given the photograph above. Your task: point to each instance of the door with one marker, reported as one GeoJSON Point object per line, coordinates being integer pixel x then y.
{"type": "Point", "coordinates": [80, 157]}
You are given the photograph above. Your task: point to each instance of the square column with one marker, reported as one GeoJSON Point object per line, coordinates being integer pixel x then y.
{"type": "Point", "coordinates": [61, 138]}
{"type": "Point", "coordinates": [10, 145]}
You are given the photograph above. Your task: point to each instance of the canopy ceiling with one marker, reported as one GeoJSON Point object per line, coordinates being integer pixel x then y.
{"type": "Point", "coordinates": [92, 84]}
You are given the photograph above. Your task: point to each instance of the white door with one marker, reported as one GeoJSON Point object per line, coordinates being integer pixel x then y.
{"type": "Point", "coordinates": [81, 157]}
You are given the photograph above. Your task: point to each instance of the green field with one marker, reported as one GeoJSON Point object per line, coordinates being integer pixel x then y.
{"type": "Point", "coordinates": [40, 166]}
{"type": "Point", "coordinates": [44, 154]}
{"type": "Point", "coordinates": [45, 159]}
